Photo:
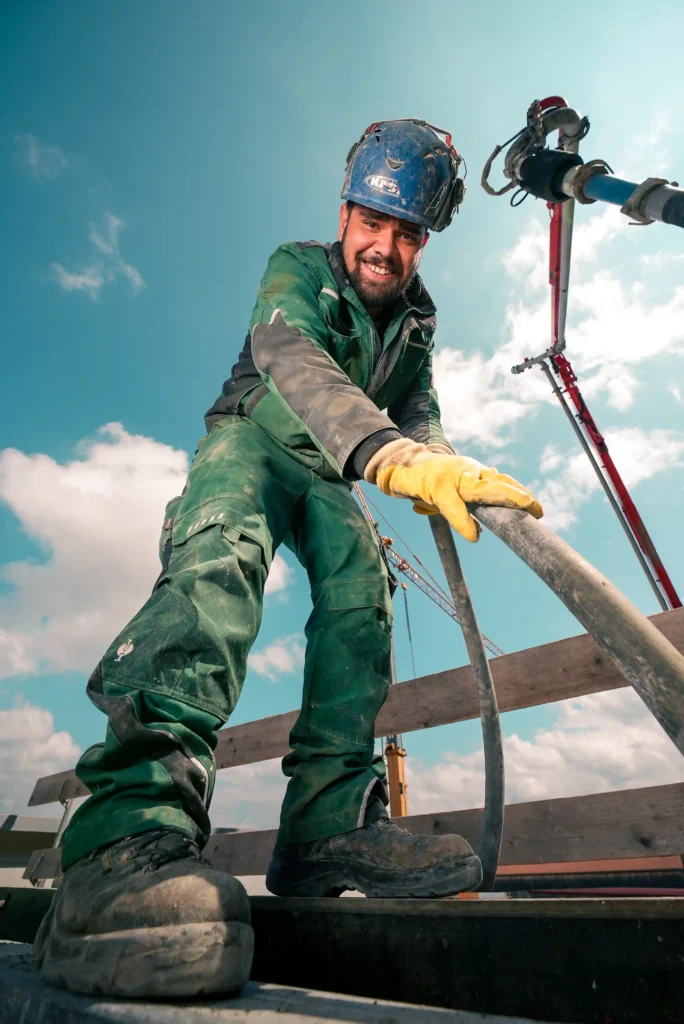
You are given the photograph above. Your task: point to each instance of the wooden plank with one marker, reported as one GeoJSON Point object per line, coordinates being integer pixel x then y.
{"type": "Point", "coordinates": [20, 834]}
{"type": "Point", "coordinates": [628, 865]}
{"type": "Point", "coordinates": [61, 786]}
{"type": "Point", "coordinates": [539, 675]}
{"type": "Point", "coordinates": [44, 864]}
{"type": "Point", "coordinates": [645, 822]}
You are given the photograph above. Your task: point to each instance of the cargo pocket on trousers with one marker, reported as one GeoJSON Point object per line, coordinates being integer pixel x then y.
{"type": "Point", "coordinates": [166, 531]}
{"type": "Point", "coordinates": [234, 517]}
{"type": "Point", "coordinates": [360, 594]}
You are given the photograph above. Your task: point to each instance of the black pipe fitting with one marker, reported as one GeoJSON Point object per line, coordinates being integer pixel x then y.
{"type": "Point", "coordinates": [673, 210]}
{"type": "Point", "coordinates": [542, 173]}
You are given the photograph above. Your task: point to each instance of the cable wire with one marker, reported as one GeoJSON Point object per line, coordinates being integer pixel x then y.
{"type": "Point", "coordinates": [436, 582]}
{"type": "Point", "coordinates": [408, 629]}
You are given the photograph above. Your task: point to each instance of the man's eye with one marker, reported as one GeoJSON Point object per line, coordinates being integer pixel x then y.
{"type": "Point", "coordinates": [371, 223]}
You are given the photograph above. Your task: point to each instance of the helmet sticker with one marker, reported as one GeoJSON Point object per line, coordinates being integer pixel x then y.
{"type": "Point", "coordinates": [382, 184]}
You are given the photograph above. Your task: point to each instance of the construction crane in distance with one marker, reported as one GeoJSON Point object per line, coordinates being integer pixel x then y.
{"type": "Point", "coordinates": [394, 750]}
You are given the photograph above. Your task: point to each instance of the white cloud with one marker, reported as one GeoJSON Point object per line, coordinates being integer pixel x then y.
{"type": "Point", "coordinates": [649, 149]}
{"type": "Point", "coordinates": [106, 264]}
{"type": "Point", "coordinates": [98, 519]}
{"type": "Point", "coordinates": [613, 326]}
{"type": "Point", "coordinates": [44, 162]}
{"type": "Point", "coordinates": [29, 749]}
{"type": "Point", "coordinates": [249, 796]}
{"type": "Point", "coordinates": [676, 393]}
{"type": "Point", "coordinates": [599, 743]}
{"type": "Point", "coordinates": [89, 280]}
{"type": "Point", "coordinates": [638, 454]}
{"type": "Point", "coordinates": [279, 576]}
{"type": "Point", "coordinates": [283, 657]}
{"type": "Point", "coordinates": [528, 260]}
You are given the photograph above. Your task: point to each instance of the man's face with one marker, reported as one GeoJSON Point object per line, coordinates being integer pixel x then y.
{"type": "Point", "coordinates": [381, 254]}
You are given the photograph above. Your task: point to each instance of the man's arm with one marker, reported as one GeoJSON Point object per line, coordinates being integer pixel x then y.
{"type": "Point", "coordinates": [290, 351]}
{"type": "Point", "coordinates": [416, 413]}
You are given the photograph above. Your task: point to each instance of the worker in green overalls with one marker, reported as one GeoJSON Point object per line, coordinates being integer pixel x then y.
{"type": "Point", "coordinates": [339, 333]}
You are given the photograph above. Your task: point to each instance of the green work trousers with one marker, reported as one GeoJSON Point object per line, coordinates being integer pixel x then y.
{"type": "Point", "coordinates": [172, 677]}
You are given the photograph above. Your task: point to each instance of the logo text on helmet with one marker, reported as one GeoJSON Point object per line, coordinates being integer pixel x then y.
{"type": "Point", "coordinates": [382, 184]}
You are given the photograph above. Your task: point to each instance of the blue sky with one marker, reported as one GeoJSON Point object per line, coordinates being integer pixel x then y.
{"type": "Point", "coordinates": [151, 157]}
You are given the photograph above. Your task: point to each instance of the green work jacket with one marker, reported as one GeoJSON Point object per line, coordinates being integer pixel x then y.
{"type": "Point", "coordinates": [315, 373]}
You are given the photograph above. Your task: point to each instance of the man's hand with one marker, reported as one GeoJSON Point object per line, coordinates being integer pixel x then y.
{"type": "Point", "coordinates": [446, 484]}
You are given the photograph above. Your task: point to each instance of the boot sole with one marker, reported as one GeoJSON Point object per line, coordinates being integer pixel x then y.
{"type": "Point", "coordinates": [169, 961]}
{"type": "Point", "coordinates": [331, 877]}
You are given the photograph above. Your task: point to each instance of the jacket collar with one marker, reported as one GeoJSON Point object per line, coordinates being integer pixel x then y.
{"type": "Point", "coordinates": [416, 297]}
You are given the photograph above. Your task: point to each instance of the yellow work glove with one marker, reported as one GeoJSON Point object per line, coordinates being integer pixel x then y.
{"type": "Point", "coordinates": [438, 482]}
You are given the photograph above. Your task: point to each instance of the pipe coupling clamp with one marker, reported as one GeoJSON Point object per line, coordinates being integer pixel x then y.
{"type": "Point", "coordinates": [582, 176]}
{"type": "Point", "coordinates": [633, 206]}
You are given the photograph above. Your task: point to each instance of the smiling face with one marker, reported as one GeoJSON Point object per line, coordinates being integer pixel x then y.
{"type": "Point", "coordinates": [381, 254]}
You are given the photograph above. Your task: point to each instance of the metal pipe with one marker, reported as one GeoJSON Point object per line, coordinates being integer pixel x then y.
{"type": "Point", "coordinates": [610, 190]}
{"type": "Point", "coordinates": [661, 202]}
{"type": "Point", "coordinates": [646, 659]}
{"type": "Point", "coordinates": [607, 488]}
{"type": "Point", "coordinates": [492, 821]}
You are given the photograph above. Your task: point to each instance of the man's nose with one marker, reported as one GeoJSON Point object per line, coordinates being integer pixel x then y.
{"type": "Point", "coordinates": [384, 243]}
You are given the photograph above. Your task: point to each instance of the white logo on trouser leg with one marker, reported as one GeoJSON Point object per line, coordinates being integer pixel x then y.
{"type": "Point", "coordinates": [125, 649]}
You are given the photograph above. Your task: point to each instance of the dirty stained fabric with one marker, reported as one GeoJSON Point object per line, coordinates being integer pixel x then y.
{"type": "Point", "coordinates": [186, 651]}
{"type": "Point", "coordinates": [315, 372]}
{"type": "Point", "coordinates": [316, 390]}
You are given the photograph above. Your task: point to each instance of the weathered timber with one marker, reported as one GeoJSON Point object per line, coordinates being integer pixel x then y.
{"type": "Point", "coordinates": [627, 823]}
{"type": "Point", "coordinates": [20, 835]}
{"type": "Point", "coordinates": [585, 960]}
{"type": "Point", "coordinates": [44, 864]}
{"type": "Point", "coordinates": [644, 823]}
{"type": "Point", "coordinates": [539, 675]}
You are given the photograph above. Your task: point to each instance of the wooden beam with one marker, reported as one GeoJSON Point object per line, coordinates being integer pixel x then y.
{"type": "Point", "coordinates": [640, 823]}
{"type": "Point", "coordinates": [538, 675]}
{"type": "Point", "coordinates": [645, 822]}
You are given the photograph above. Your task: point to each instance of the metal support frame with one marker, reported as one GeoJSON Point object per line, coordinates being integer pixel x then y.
{"type": "Point", "coordinates": [67, 804]}
{"type": "Point", "coordinates": [586, 183]}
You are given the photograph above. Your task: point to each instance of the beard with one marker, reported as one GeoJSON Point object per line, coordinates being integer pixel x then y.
{"type": "Point", "coordinates": [380, 295]}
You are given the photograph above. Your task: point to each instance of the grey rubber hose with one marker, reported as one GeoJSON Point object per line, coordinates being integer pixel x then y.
{"type": "Point", "coordinates": [646, 659]}
{"type": "Point", "coordinates": [493, 815]}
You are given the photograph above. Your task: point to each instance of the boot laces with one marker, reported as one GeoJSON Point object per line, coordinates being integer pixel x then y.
{"type": "Point", "coordinates": [163, 846]}
{"type": "Point", "coordinates": [387, 825]}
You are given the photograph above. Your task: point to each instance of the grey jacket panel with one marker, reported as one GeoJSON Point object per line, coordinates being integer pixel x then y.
{"type": "Point", "coordinates": [334, 410]}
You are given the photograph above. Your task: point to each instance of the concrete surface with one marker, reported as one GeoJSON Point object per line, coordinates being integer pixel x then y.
{"type": "Point", "coordinates": [24, 998]}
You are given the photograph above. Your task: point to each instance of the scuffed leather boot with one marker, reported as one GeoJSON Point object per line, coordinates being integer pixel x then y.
{"type": "Point", "coordinates": [379, 859]}
{"type": "Point", "coordinates": [147, 916]}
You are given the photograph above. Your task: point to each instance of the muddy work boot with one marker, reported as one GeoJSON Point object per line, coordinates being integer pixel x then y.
{"type": "Point", "coordinates": [147, 916]}
{"type": "Point", "coordinates": [379, 859]}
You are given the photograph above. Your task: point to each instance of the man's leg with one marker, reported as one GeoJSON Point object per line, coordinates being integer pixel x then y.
{"type": "Point", "coordinates": [334, 832]}
{"type": "Point", "coordinates": [333, 767]}
{"type": "Point", "coordinates": [145, 915]}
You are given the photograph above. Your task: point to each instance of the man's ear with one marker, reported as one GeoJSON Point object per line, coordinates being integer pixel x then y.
{"type": "Point", "coordinates": [344, 217]}
{"type": "Point", "coordinates": [425, 240]}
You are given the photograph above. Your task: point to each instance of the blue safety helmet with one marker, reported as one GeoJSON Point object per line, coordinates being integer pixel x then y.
{"type": "Point", "coordinates": [405, 169]}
